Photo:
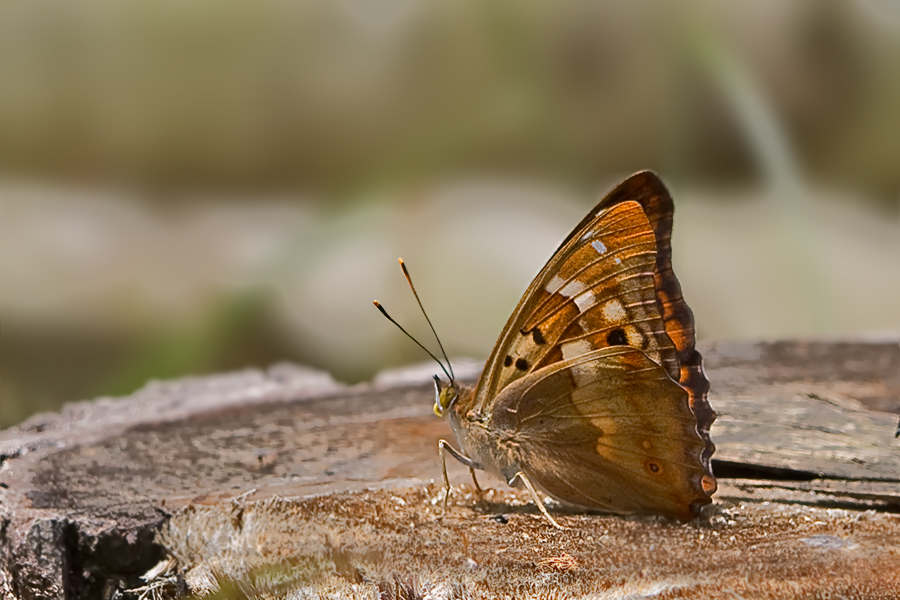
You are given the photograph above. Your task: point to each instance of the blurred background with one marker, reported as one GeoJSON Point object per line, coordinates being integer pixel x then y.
{"type": "Point", "coordinates": [194, 187]}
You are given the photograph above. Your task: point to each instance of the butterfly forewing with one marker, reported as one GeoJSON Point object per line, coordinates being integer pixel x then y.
{"type": "Point", "coordinates": [599, 290]}
{"type": "Point", "coordinates": [648, 190]}
{"type": "Point", "coordinates": [608, 430]}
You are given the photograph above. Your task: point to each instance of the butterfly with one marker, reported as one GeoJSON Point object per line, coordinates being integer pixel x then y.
{"type": "Point", "coordinates": [594, 393]}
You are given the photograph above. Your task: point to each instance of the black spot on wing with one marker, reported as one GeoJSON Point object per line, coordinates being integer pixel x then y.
{"type": "Point", "coordinates": [617, 337]}
{"type": "Point", "coordinates": [521, 364]}
{"type": "Point", "coordinates": [536, 335]}
{"type": "Point", "coordinates": [507, 361]}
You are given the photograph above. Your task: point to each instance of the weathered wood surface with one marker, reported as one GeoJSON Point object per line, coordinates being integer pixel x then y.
{"type": "Point", "coordinates": [338, 495]}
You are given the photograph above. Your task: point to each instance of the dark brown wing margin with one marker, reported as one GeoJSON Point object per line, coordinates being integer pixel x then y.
{"type": "Point", "coordinates": [648, 190]}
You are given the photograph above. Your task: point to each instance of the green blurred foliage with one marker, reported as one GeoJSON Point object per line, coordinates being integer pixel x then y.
{"type": "Point", "coordinates": [335, 125]}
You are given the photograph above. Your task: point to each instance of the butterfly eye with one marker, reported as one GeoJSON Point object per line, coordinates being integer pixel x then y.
{"type": "Point", "coordinates": [444, 397]}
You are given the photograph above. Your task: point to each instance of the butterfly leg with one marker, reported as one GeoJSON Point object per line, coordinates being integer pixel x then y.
{"type": "Point", "coordinates": [480, 491]}
{"type": "Point", "coordinates": [534, 496]}
{"type": "Point", "coordinates": [445, 445]}
{"type": "Point", "coordinates": [475, 481]}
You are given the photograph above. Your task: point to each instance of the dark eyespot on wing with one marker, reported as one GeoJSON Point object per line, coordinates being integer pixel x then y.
{"type": "Point", "coordinates": [507, 361]}
{"type": "Point", "coordinates": [617, 337]}
{"type": "Point", "coordinates": [537, 336]}
{"type": "Point", "coordinates": [521, 364]}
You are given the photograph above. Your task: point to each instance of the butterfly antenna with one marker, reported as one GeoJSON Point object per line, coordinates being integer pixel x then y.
{"type": "Point", "coordinates": [422, 308]}
{"type": "Point", "coordinates": [418, 343]}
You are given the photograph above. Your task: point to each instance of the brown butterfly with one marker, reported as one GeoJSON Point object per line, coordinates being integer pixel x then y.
{"type": "Point", "coordinates": [594, 393]}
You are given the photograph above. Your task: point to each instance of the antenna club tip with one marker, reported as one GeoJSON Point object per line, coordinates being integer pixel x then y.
{"type": "Point", "coordinates": [400, 260]}
{"type": "Point", "coordinates": [376, 303]}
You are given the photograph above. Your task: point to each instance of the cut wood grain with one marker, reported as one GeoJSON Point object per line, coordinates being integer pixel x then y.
{"type": "Point", "coordinates": [287, 476]}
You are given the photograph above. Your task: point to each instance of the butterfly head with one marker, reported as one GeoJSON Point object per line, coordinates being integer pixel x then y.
{"type": "Point", "coordinates": [444, 398]}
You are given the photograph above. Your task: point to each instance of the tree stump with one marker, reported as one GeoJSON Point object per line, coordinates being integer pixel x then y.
{"type": "Point", "coordinates": [279, 482]}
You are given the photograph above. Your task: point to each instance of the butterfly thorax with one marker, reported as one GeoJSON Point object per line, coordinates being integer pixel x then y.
{"type": "Point", "coordinates": [477, 439]}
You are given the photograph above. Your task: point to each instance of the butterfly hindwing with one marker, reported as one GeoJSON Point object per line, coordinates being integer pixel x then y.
{"type": "Point", "coordinates": [608, 430]}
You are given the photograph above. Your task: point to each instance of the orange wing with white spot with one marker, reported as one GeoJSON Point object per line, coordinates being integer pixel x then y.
{"type": "Point", "coordinates": [610, 284]}
{"type": "Point", "coordinates": [598, 290]}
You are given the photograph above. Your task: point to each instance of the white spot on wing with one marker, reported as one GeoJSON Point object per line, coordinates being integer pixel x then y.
{"type": "Point", "coordinates": [572, 288]}
{"type": "Point", "coordinates": [599, 246]}
{"type": "Point", "coordinates": [614, 311]}
{"type": "Point", "coordinates": [618, 260]}
{"type": "Point", "coordinates": [554, 284]}
{"type": "Point", "coordinates": [575, 289]}
{"type": "Point", "coordinates": [634, 337]}
{"type": "Point", "coordinates": [584, 301]}
{"type": "Point", "coordinates": [583, 373]}
{"type": "Point", "coordinates": [576, 348]}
